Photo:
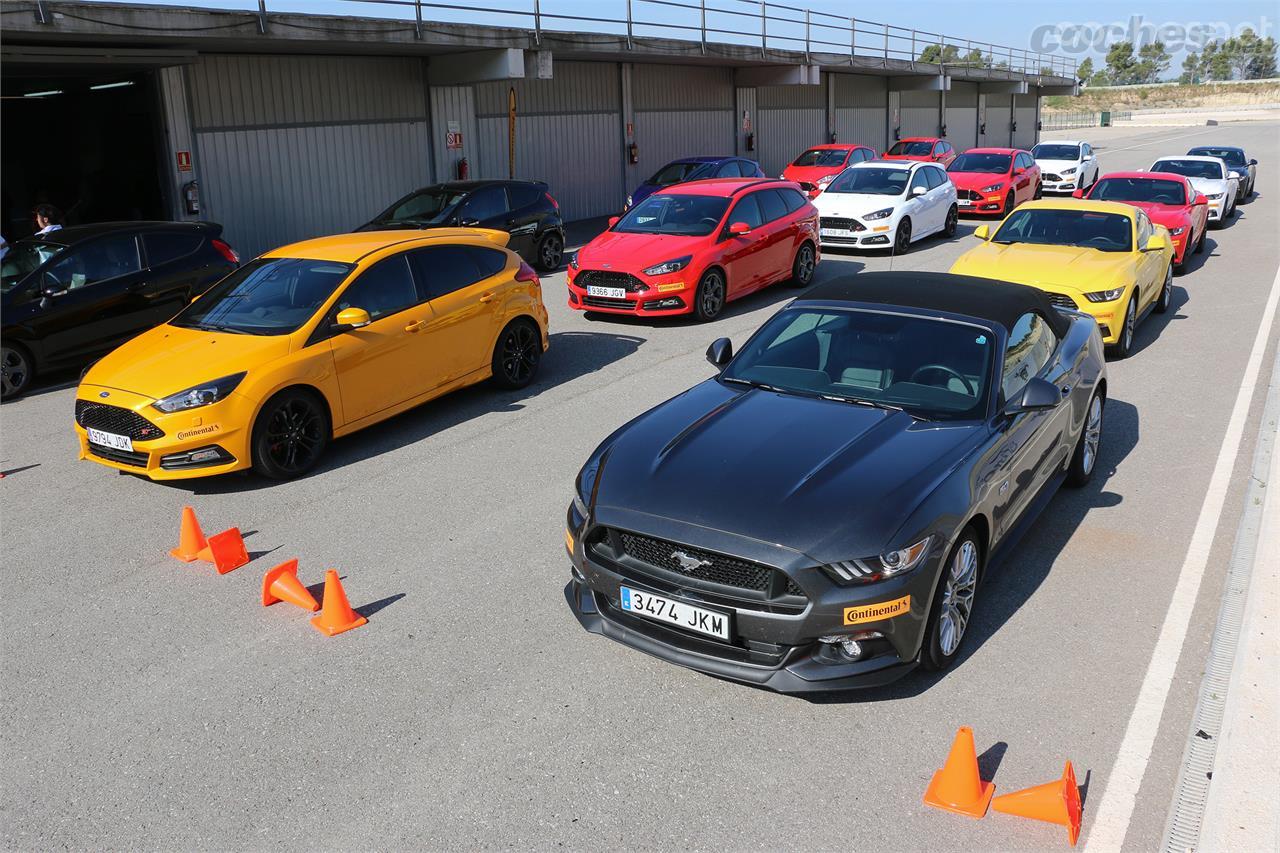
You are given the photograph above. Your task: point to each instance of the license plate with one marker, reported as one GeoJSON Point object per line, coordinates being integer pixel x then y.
{"type": "Point", "coordinates": [834, 232]}
{"type": "Point", "coordinates": [607, 292]}
{"type": "Point", "coordinates": [678, 613]}
{"type": "Point", "coordinates": [110, 439]}
{"type": "Point", "coordinates": [964, 202]}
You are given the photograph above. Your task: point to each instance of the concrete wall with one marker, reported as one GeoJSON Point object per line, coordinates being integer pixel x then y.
{"type": "Point", "coordinates": [921, 113]}
{"type": "Point", "coordinates": [789, 120]}
{"type": "Point", "coordinates": [962, 115]}
{"type": "Point", "coordinates": [861, 109]}
{"type": "Point", "coordinates": [1025, 114]}
{"type": "Point", "coordinates": [998, 116]}
{"type": "Point", "coordinates": [680, 112]}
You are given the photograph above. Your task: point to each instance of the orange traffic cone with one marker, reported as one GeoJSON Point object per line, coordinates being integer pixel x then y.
{"type": "Point", "coordinates": [191, 539]}
{"type": "Point", "coordinates": [225, 550]}
{"type": "Point", "coordinates": [1055, 802]}
{"type": "Point", "coordinates": [282, 584]}
{"type": "Point", "coordinates": [957, 787]}
{"type": "Point", "coordinates": [337, 615]}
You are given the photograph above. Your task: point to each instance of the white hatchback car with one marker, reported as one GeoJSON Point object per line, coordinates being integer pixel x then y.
{"type": "Point", "coordinates": [1210, 176]}
{"type": "Point", "coordinates": [1066, 166]}
{"type": "Point", "coordinates": [886, 205]}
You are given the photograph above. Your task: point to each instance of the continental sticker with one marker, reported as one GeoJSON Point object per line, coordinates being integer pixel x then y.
{"type": "Point", "coordinates": [198, 431]}
{"type": "Point", "coordinates": [876, 612]}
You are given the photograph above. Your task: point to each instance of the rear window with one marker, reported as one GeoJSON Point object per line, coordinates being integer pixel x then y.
{"type": "Point", "coordinates": [488, 261]}
{"type": "Point", "coordinates": [771, 205]}
{"type": "Point", "coordinates": [524, 195]}
{"type": "Point", "coordinates": [165, 246]}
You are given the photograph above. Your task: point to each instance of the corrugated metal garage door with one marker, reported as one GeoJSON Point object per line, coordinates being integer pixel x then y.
{"type": "Point", "coordinates": [568, 133]}
{"type": "Point", "coordinates": [292, 147]}
{"type": "Point", "coordinates": [921, 113]}
{"type": "Point", "coordinates": [1025, 115]}
{"type": "Point", "coordinates": [791, 118]}
{"type": "Point", "coordinates": [862, 111]}
{"type": "Point", "coordinates": [681, 112]}
{"type": "Point", "coordinates": [962, 115]}
{"type": "Point", "coordinates": [999, 114]}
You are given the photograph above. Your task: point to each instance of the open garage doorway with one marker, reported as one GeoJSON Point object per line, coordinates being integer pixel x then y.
{"type": "Point", "coordinates": [86, 141]}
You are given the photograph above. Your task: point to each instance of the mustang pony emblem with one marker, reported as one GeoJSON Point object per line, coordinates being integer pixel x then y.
{"type": "Point", "coordinates": [687, 563]}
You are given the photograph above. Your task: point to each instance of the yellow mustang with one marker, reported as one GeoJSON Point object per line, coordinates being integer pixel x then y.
{"type": "Point", "coordinates": [1104, 258]}
{"type": "Point", "coordinates": [311, 342]}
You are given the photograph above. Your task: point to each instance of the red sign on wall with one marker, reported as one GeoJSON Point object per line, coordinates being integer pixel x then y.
{"type": "Point", "coordinates": [184, 161]}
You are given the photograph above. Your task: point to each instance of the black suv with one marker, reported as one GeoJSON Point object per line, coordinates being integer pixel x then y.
{"type": "Point", "coordinates": [73, 294]}
{"type": "Point", "coordinates": [524, 209]}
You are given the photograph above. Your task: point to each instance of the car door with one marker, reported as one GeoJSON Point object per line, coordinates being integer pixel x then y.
{"type": "Point", "coordinates": [780, 230]}
{"type": "Point", "coordinates": [744, 257]}
{"type": "Point", "coordinates": [523, 218]}
{"type": "Point", "coordinates": [487, 207]}
{"type": "Point", "coordinates": [1088, 165]}
{"type": "Point", "coordinates": [93, 302]}
{"type": "Point", "coordinates": [175, 272]}
{"type": "Point", "coordinates": [917, 205]}
{"type": "Point", "coordinates": [940, 200]}
{"type": "Point", "coordinates": [1150, 263]}
{"type": "Point", "coordinates": [390, 360]}
{"type": "Point", "coordinates": [465, 286]}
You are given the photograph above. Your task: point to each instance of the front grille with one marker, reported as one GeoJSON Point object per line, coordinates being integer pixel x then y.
{"type": "Point", "coordinates": [116, 420]}
{"type": "Point", "coordinates": [841, 223]}
{"type": "Point", "coordinates": [605, 302]}
{"type": "Point", "coordinates": [124, 457]}
{"type": "Point", "coordinates": [969, 194]}
{"type": "Point", "coordinates": [605, 278]}
{"type": "Point", "coordinates": [1052, 178]}
{"type": "Point", "coordinates": [1062, 301]}
{"type": "Point", "coordinates": [829, 239]}
{"type": "Point", "coordinates": [717, 568]}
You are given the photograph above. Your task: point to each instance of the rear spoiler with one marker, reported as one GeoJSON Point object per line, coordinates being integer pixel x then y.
{"type": "Point", "coordinates": [494, 236]}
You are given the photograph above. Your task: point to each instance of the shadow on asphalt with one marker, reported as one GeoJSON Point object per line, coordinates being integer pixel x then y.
{"type": "Point", "coordinates": [989, 760]}
{"type": "Point", "coordinates": [1152, 326]}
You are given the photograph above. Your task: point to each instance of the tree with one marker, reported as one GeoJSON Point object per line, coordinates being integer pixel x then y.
{"type": "Point", "coordinates": [1244, 57]}
{"type": "Point", "coordinates": [1085, 69]}
{"type": "Point", "coordinates": [973, 59]}
{"type": "Point", "coordinates": [1215, 64]}
{"type": "Point", "coordinates": [1121, 64]}
{"type": "Point", "coordinates": [939, 55]}
{"type": "Point", "coordinates": [1153, 60]}
{"type": "Point", "coordinates": [1191, 71]}
{"type": "Point", "coordinates": [1100, 78]}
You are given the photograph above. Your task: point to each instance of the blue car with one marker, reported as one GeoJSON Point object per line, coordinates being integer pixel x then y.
{"type": "Point", "coordinates": [694, 169]}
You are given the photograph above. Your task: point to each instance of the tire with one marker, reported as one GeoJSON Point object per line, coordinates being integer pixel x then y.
{"type": "Point", "coordinates": [517, 354]}
{"type": "Point", "coordinates": [951, 613]}
{"type": "Point", "coordinates": [1008, 204]}
{"type": "Point", "coordinates": [1085, 458]}
{"type": "Point", "coordinates": [951, 222]}
{"type": "Point", "coordinates": [902, 239]}
{"type": "Point", "coordinates": [709, 299]}
{"type": "Point", "coordinates": [1123, 347]}
{"type": "Point", "coordinates": [550, 252]}
{"type": "Point", "coordinates": [803, 266]}
{"type": "Point", "coordinates": [1039, 193]}
{"type": "Point", "coordinates": [1165, 299]}
{"type": "Point", "coordinates": [290, 434]}
{"type": "Point", "coordinates": [1199, 250]}
{"type": "Point", "coordinates": [16, 371]}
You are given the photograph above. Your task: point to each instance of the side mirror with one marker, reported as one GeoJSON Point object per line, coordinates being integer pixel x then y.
{"type": "Point", "coordinates": [613, 220]}
{"type": "Point", "coordinates": [915, 191]}
{"type": "Point", "coordinates": [1157, 243]}
{"type": "Point", "coordinates": [739, 229]}
{"type": "Point", "coordinates": [351, 318]}
{"type": "Point", "coordinates": [720, 353]}
{"type": "Point", "coordinates": [982, 232]}
{"type": "Point", "coordinates": [1078, 194]}
{"type": "Point", "coordinates": [1253, 162]}
{"type": "Point", "coordinates": [1020, 170]}
{"type": "Point", "coordinates": [1201, 198]}
{"type": "Point", "coordinates": [1039, 396]}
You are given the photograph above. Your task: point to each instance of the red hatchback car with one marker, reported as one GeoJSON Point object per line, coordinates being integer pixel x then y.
{"type": "Point", "coordinates": [817, 167]}
{"type": "Point", "coordinates": [1170, 200]}
{"type": "Point", "coordinates": [994, 180]}
{"type": "Point", "coordinates": [693, 247]}
{"type": "Point", "coordinates": [928, 149]}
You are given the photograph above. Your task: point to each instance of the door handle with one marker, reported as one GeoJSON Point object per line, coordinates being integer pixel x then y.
{"type": "Point", "coordinates": [415, 325]}
{"type": "Point", "coordinates": [486, 297]}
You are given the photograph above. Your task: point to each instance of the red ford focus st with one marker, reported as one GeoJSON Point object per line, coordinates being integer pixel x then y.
{"type": "Point", "coordinates": [1168, 199]}
{"type": "Point", "coordinates": [693, 247]}
{"type": "Point", "coordinates": [994, 180]}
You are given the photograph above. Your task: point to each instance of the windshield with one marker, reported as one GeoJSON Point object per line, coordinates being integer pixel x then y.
{"type": "Point", "coordinates": [1189, 168]}
{"type": "Point", "coordinates": [267, 296]}
{"type": "Point", "coordinates": [871, 181]}
{"type": "Point", "coordinates": [674, 173]}
{"type": "Point", "coordinates": [1233, 156]}
{"type": "Point", "coordinates": [1153, 191]}
{"type": "Point", "coordinates": [1055, 151]}
{"type": "Point", "coordinates": [686, 215]}
{"type": "Point", "coordinates": [428, 207]}
{"type": "Point", "coordinates": [1106, 232]}
{"type": "Point", "coordinates": [931, 368]}
{"type": "Point", "coordinates": [987, 164]}
{"type": "Point", "coordinates": [914, 149]}
{"type": "Point", "coordinates": [23, 258]}
{"type": "Point", "coordinates": [822, 157]}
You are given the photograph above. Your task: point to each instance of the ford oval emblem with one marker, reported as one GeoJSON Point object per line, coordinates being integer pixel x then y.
{"type": "Point", "coordinates": [104, 394]}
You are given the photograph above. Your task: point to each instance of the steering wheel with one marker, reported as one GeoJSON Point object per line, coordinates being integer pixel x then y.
{"type": "Point", "coordinates": [1100, 240]}
{"type": "Point", "coordinates": [709, 220]}
{"type": "Point", "coordinates": [942, 368]}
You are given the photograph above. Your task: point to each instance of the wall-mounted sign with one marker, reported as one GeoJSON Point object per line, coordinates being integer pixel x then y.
{"type": "Point", "coordinates": [184, 161]}
{"type": "Point", "coordinates": [746, 121]}
{"type": "Point", "coordinates": [453, 135]}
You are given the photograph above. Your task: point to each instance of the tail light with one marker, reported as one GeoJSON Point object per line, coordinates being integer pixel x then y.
{"type": "Point", "coordinates": [551, 199]}
{"type": "Point", "coordinates": [526, 273]}
{"type": "Point", "coordinates": [226, 251]}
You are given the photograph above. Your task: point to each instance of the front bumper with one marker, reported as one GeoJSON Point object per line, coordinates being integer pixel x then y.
{"type": "Point", "coordinates": [773, 645]}
{"type": "Point", "coordinates": [1063, 185]}
{"type": "Point", "coordinates": [217, 426]}
{"type": "Point", "coordinates": [851, 232]}
{"type": "Point", "coordinates": [1109, 315]}
{"type": "Point", "coordinates": [975, 203]}
{"type": "Point", "coordinates": [665, 295]}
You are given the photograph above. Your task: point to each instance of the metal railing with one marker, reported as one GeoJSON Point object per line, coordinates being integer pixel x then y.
{"type": "Point", "coordinates": [1067, 121]}
{"type": "Point", "coordinates": [822, 37]}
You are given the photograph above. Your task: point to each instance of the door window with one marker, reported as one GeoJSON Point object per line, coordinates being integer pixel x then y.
{"type": "Point", "coordinates": [489, 262]}
{"type": "Point", "coordinates": [747, 210]}
{"type": "Point", "coordinates": [1144, 230]}
{"type": "Point", "coordinates": [165, 246]}
{"type": "Point", "coordinates": [919, 179]}
{"type": "Point", "coordinates": [100, 260]}
{"type": "Point", "coordinates": [441, 270]}
{"type": "Point", "coordinates": [485, 203]}
{"type": "Point", "coordinates": [523, 195]}
{"type": "Point", "coordinates": [935, 177]}
{"type": "Point", "coordinates": [384, 289]}
{"type": "Point", "coordinates": [729, 170]}
{"type": "Point", "coordinates": [793, 199]}
{"type": "Point", "coordinates": [772, 207]}
{"type": "Point", "coordinates": [1031, 343]}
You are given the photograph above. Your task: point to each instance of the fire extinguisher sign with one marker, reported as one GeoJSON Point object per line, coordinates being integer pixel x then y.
{"type": "Point", "coordinates": [453, 135]}
{"type": "Point", "coordinates": [184, 161]}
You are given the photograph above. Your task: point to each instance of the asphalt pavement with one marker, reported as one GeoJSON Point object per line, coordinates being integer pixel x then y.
{"type": "Point", "coordinates": [150, 704]}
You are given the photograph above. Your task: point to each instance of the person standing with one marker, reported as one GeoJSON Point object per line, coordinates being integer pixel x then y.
{"type": "Point", "coordinates": [48, 218]}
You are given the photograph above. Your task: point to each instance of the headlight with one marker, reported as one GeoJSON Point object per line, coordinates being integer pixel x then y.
{"type": "Point", "coordinates": [1176, 231]}
{"type": "Point", "coordinates": [627, 204]}
{"type": "Point", "coordinates": [1070, 171]}
{"type": "Point", "coordinates": [668, 267]}
{"type": "Point", "coordinates": [880, 214]}
{"type": "Point", "coordinates": [200, 395]}
{"type": "Point", "coordinates": [991, 188]}
{"type": "Point", "coordinates": [1214, 195]}
{"type": "Point", "coordinates": [826, 180]}
{"type": "Point", "coordinates": [573, 261]}
{"type": "Point", "coordinates": [878, 568]}
{"type": "Point", "coordinates": [585, 483]}
{"type": "Point", "coordinates": [1105, 295]}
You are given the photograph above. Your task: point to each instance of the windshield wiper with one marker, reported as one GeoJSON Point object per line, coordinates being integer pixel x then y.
{"type": "Point", "coordinates": [873, 404]}
{"type": "Point", "coordinates": [213, 327]}
{"type": "Point", "coordinates": [755, 384]}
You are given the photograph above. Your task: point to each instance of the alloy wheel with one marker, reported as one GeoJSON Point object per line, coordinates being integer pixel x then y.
{"type": "Point", "coordinates": [711, 295]}
{"type": "Point", "coordinates": [957, 597]}
{"type": "Point", "coordinates": [1092, 434]}
{"type": "Point", "coordinates": [520, 353]}
{"type": "Point", "coordinates": [295, 435]}
{"type": "Point", "coordinates": [15, 373]}
{"type": "Point", "coordinates": [902, 241]}
{"type": "Point", "coordinates": [550, 252]}
{"type": "Point", "coordinates": [1166, 292]}
{"type": "Point", "coordinates": [1130, 320]}
{"type": "Point", "coordinates": [953, 219]}
{"type": "Point", "coordinates": [804, 265]}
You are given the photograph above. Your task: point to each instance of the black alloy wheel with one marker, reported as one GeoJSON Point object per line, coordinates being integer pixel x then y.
{"type": "Point", "coordinates": [902, 240]}
{"type": "Point", "coordinates": [710, 296]}
{"type": "Point", "coordinates": [550, 251]}
{"type": "Point", "coordinates": [953, 219]}
{"type": "Point", "coordinates": [15, 371]}
{"type": "Point", "coordinates": [803, 267]}
{"type": "Point", "coordinates": [517, 354]}
{"type": "Point", "coordinates": [290, 435]}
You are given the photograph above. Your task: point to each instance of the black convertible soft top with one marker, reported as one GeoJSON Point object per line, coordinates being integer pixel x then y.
{"type": "Point", "coordinates": [999, 302]}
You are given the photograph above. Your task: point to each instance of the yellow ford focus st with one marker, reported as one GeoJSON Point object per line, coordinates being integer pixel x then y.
{"type": "Point", "coordinates": [311, 342]}
{"type": "Point", "coordinates": [1104, 258]}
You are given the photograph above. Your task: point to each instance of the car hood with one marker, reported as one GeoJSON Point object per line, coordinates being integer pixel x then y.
{"type": "Point", "coordinates": [168, 359]}
{"type": "Point", "coordinates": [809, 174]}
{"type": "Point", "coordinates": [854, 204]}
{"type": "Point", "coordinates": [829, 479]}
{"type": "Point", "coordinates": [1209, 186]}
{"type": "Point", "coordinates": [1057, 166]}
{"type": "Point", "coordinates": [977, 180]}
{"type": "Point", "coordinates": [1168, 215]}
{"type": "Point", "coordinates": [923, 158]}
{"type": "Point", "coordinates": [1071, 268]}
{"type": "Point", "coordinates": [633, 252]}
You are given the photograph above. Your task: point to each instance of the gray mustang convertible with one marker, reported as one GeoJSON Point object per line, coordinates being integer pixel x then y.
{"type": "Point", "coordinates": [819, 514]}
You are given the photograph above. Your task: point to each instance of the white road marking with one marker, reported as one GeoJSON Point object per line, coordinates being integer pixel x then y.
{"type": "Point", "coordinates": [1200, 132]}
{"type": "Point", "coordinates": [1108, 829]}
